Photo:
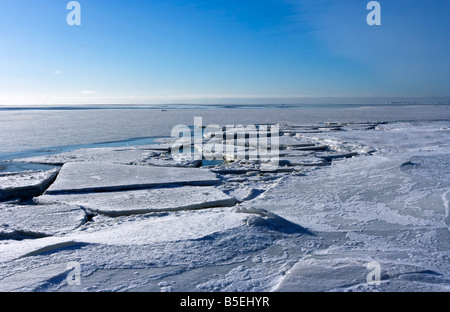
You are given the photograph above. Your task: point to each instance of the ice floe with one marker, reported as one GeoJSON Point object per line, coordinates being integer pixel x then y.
{"type": "Point", "coordinates": [23, 185]}
{"type": "Point", "coordinates": [159, 228]}
{"type": "Point", "coordinates": [344, 195]}
{"type": "Point", "coordinates": [99, 176]}
{"type": "Point", "coordinates": [145, 201]}
{"type": "Point", "coordinates": [34, 221]}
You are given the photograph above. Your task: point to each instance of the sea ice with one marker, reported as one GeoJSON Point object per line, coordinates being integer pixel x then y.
{"type": "Point", "coordinates": [99, 176]}
{"type": "Point", "coordinates": [104, 154]}
{"type": "Point", "coordinates": [315, 232]}
{"type": "Point", "coordinates": [25, 184]}
{"type": "Point", "coordinates": [39, 220]}
{"type": "Point", "coordinates": [163, 228]}
{"type": "Point", "coordinates": [145, 201]}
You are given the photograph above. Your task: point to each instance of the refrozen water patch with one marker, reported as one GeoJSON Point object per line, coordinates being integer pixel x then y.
{"type": "Point", "coordinates": [39, 221]}
{"type": "Point", "coordinates": [145, 201]}
{"type": "Point", "coordinates": [99, 176]}
{"type": "Point", "coordinates": [26, 184]}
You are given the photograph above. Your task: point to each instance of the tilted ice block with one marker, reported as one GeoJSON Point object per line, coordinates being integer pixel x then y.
{"type": "Point", "coordinates": [311, 148]}
{"type": "Point", "coordinates": [322, 275]}
{"type": "Point", "coordinates": [27, 280]}
{"type": "Point", "coordinates": [159, 147]}
{"type": "Point", "coordinates": [98, 176]}
{"type": "Point", "coordinates": [15, 249]}
{"type": "Point", "coordinates": [39, 220]}
{"type": "Point", "coordinates": [145, 201]}
{"type": "Point", "coordinates": [25, 184]}
{"type": "Point", "coordinates": [331, 156]}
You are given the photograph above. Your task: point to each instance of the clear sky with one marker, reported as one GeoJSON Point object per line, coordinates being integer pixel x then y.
{"type": "Point", "coordinates": [216, 51]}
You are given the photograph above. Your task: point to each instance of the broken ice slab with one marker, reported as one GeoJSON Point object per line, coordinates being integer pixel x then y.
{"type": "Point", "coordinates": [99, 176]}
{"type": "Point", "coordinates": [18, 221]}
{"type": "Point", "coordinates": [225, 170]}
{"type": "Point", "coordinates": [296, 153]}
{"type": "Point", "coordinates": [238, 135]}
{"type": "Point", "coordinates": [265, 218]}
{"type": "Point", "coordinates": [125, 155]}
{"type": "Point", "coordinates": [175, 160]}
{"type": "Point", "coordinates": [304, 161]}
{"type": "Point", "coordinates": [31, 247]}
{"type": "Point", "coordinates": [283, 142]}
{"type": "Point", "coordinates": [163, 228]}
{"type": "Point", "coordinates": [240, 153]}
{"type": "Point", "coordinates": [26, 280]}
{"type": "Point", "coordinates": [25, 184]}
{"type": "Point", "coordinates": [290, 142]}
{"type": "Point", "coordinates": [311, 148]}
{"type": "Point", "coordinates": [159, 147]}
{"type": "Point", "coordinates": [361, 126]}
{"type": "Point", "coordinates": [330, 128]}
{"type": "Point", "coordinates": [332, 274]}
{"type": "Point", "coordinates": [332, 156]}
{"type": "Point", "coordinates": [145, 201]}
{"type": "Point", "coordinates": [106, 154]}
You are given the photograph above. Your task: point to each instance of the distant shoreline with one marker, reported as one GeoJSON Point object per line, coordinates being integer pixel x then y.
{"type": "Point", "coordinates": [209, 106]}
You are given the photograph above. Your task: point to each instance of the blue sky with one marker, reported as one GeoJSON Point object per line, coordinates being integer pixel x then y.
{"type": "Point", "coordinates": [221, 51]}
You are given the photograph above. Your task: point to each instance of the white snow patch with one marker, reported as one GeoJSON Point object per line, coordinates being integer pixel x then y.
{"type": "Point", "coordinates": [145, 201]}
{"type": "Point", "coordinates": [99, 176]}
{"type": "Point", "coordinates": [171, 227]}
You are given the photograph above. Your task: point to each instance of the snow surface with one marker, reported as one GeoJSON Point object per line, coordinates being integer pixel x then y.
{"type": "Point", "coordinates": [25, 184]}
{"type": "Point", "coordinates": [379, 193]}
{"type": "Point", "coordinates": [144, 201]}
{"type": "Point", "coordinates": [39, 221]}
{"type": "Point", "coordinates": [102, 176]}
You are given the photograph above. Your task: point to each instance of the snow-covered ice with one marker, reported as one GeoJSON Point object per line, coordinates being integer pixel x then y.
{"type": "Point", "coordinates": [100, 176]}
{"type": "Point", "coordinates": [346, 195]}
{"type": "Point", "coordinates": [25, 184]}
{"type": "Point", "coordinates": [39, 221]}
{"type": "Point", "coordinates": [145, 201]}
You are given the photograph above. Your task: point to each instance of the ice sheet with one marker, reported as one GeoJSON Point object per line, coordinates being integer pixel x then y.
{"type": "Point", "coordinates": [25, 184]}
{"type": "Point", "coordinates": [145, 201]}
{"type": "Point", "coordinates": [99, 176]}
{"type": "Point", "coordinates": [39, 221]}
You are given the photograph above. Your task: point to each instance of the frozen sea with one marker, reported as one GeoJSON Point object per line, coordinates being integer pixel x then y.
{"type": "Point", "coordinates": [91, 199]}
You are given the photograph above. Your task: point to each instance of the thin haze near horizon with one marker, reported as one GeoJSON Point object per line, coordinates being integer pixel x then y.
{"type": "Point", "coordinates": [217, 51]}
